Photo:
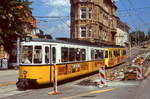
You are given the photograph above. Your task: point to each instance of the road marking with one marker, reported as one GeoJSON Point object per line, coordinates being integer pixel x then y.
{"type": "Point", "coordinates": [100, 91]}
{"type": "Point", "coordinates": [8, 83]}
{"type": "Point", "coordinates": [92, 92]}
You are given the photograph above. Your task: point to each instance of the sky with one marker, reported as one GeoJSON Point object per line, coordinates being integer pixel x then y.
{"type": "Point", "coordinates": [135, 13]}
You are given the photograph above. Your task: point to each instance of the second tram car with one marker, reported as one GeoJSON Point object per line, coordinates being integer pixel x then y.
{"type": "Point", "coordinates": [40, 57]}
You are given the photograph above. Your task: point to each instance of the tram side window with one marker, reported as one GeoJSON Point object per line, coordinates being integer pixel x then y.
{"type": "Point", "coordinates": [101, 54]}
{"type": "Point", "coordinates": [78, 54]}
{"type": "Point", "coordinates": [83, 54]}
{"type": "Point", "coordinates": [124, 52]}
{"type": "Point", "coordinates": [47, 57]}
{"type": "Point", "coordinates": [38, 54]}
{"type": "Point", "coordinates": [64, 54]}
{"type": "Point", "coordinates": [110, 54]}
{"type": "Point", "coordinates": [92, 55]}
{"type": "Point", "coordinates": [98, 54]}
{"type": "Point", "coordinates": [115, 53]}
{"type": "Point", "coordinates": [53, 55]}
{"type": "Point", "coordinates": [72, 54]}
{"type": "Point", "coordinates": [106, 54]}
{"type": "Point", "coordinates": [118, 52]}
{"type": "Point", "coordinates": [26, 55]}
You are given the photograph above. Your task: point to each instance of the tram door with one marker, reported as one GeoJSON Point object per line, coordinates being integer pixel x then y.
{"type": "Point", "coordinates": [52, 61]}
{"type": "Point", "coordinates": [47, 54]}
{"type": "Point", "coordinates": [53, 54]}
{"type": "Point", "coordinates": [50, 54]}
{"type": "Point", "coordinates": [50, 58]}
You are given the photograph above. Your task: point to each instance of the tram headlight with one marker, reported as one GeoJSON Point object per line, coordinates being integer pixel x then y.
{"type": "Point", "coordinates": [25, 71]}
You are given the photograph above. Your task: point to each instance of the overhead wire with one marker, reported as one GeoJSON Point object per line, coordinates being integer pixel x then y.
{"type": "Point", "coordinates": [132, 20]}
{"type": "Point", "coordinates": [133, 9]}
{"type": "Point", "coordinates": [53, 17]}
{"type": "Point", "coordinates": [127, 12]}
{"type": "Point", "coordinates": [62, 19]}
{"type": "Point", "coordinates": [141, 19]}
{"type": "Point", "coordinates": [133, 14]}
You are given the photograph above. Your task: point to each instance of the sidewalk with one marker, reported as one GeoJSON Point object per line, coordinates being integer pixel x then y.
{"type": "Point", "coordinates": [8, 76]}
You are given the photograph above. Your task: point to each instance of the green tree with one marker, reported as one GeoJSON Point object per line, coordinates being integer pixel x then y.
{"type": "Point", "coordinates": [12, 20]}
{"type": "Point", "coordinates": [136, 37]}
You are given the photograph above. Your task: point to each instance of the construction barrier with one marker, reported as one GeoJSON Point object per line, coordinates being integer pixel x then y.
{"type": "Point", "coordinates": [55, 92]}
{"type": "Point", "coordinates": [139, 72]}
{"type": "Point", "coordinates": [102, 77]}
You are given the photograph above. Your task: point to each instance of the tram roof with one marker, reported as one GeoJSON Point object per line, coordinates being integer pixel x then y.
{"type": "Point", "coordinates": [76, 42]}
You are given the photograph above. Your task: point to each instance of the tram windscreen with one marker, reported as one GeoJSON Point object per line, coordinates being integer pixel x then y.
{"type": "Point", "coordinates": [26, 55]}
{"type": "Point", "coordinates": [38, 54]}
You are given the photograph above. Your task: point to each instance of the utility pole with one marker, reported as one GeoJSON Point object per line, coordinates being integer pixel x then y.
{"type": "Point", "coordinates": [18, 50]}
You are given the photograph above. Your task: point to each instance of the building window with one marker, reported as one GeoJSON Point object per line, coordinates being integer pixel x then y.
{"type": "Point", "coordinates": [83, 31]}
{"type": "Point", "coordinates": [104, 35]}
{"type": "Point", "coordinates": [105, 17]}
{"type": "Point", "coordinates": [83, 12]}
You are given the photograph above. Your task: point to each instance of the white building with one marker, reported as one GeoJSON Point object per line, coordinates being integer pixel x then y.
{"type": "Point", "coordinates": [122, 36]}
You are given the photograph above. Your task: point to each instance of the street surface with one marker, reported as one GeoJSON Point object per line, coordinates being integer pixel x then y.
{"type": "Point", "coordinates": [7, 83]}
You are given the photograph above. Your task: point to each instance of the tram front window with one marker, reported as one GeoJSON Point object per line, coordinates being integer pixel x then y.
{"type": "Point", "coordinates": [26, 55]}
{"type": "Point", "coordinates": [38, 54]}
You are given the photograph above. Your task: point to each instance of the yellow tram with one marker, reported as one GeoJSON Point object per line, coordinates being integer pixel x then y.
{"type": "Point", "coordinates": [70, 59]}
{"type": "Point", "coordinates": [114, 56]}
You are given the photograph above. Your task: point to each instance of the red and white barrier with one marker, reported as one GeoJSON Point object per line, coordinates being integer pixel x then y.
{"type": "Point", "coordinates": [139, 72]}
{"type": "Point", "coordinates": [102, 77]}
{"type": "Point", "coordinates": [138, 61]}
